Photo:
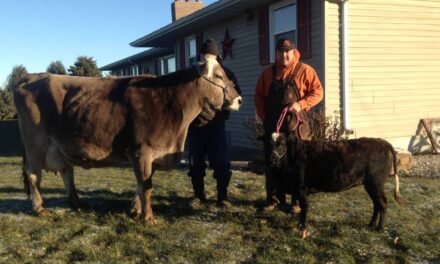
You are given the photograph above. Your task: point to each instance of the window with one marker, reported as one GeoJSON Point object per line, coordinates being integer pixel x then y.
{"type": "Point", "coordinates": [134, 70]}
{"type": "Point", "coordinates": [190, 50]}
{"type": "Point", "coordinates": [167, 65]}
{"type": "Point", "coordinates": [282, 21]}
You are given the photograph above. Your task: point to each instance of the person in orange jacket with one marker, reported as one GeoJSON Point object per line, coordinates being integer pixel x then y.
{"type": "Point", "coordinates": [287, 83]}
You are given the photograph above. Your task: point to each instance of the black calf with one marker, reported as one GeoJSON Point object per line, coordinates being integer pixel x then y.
{"type": "Point", "coordinates": [319, 166]}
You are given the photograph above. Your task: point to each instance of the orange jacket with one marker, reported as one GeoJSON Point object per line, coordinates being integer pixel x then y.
{"type": "Point", "coordinates": [307, 81]}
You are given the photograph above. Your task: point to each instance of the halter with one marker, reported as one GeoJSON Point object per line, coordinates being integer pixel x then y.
{"type": "Point", "coordinates": [224, 88]}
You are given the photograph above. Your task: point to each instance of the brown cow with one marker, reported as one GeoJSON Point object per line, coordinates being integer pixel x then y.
{"type": "Point", "coordinates": [92, 122]}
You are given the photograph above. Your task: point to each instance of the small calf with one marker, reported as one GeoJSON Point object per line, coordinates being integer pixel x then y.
{"type": "Point", "coordinates": [320, 166]}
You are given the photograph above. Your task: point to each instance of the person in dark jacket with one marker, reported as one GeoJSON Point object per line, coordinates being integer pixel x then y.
{"type": "Point", "coordinates": [207, 137]}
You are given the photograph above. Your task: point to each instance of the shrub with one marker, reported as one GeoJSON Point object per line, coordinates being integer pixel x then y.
{"type": "Point", "coordinates": [323, 127]}
{"type": "Point", "coordinates": [7, 108]}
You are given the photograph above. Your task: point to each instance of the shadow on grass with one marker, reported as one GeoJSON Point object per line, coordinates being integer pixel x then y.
{"type": "Point", "coordinates": [102, 202]}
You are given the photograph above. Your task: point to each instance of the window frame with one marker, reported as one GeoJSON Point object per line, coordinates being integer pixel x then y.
{"type": "Point", "coordinates": [272, 8]}
{"type": "Point", "coordinates": [190, 59]}
{"type": "Point", "coordinates": [165, 60]}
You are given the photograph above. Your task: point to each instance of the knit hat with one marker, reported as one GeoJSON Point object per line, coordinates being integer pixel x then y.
{"type": "Point", "coordinates": [209, 47]}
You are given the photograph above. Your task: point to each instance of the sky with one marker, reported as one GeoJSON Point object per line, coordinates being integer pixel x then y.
{"type": "Point", "coordinates": [33, 33]}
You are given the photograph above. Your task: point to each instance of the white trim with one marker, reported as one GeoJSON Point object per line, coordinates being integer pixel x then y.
{"type": "Point", "coordinates": [134, 70]}
{"type": "Point", "coordinates": [272, 32]}
{"type": "Point", "coordinates": [345, 67]}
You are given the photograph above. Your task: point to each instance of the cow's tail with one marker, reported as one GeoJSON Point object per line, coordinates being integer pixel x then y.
{"type": "Point", "coordinates": [24, 175]}
{"type": "Point", "coordinates": [397, 196]}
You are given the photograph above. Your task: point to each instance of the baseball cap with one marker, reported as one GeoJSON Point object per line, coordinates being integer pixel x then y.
{"type": "Point", "coordinates": [285, 45]}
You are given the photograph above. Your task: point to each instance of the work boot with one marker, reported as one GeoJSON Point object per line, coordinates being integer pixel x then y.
{"type": "Point", "coordinates": [197, 204]}
{"type": "Point", "coordinates": [199, 201]}
{"type": "Point", "coordinates": [222, 190]}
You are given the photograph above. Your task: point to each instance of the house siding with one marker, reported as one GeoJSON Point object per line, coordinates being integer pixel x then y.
{"type": "Point", "coordinates": [332, 59]}
{"type": "Point", "coordinates": [246, 66]}
{"type": "Point", "coordinates": [394, 58]}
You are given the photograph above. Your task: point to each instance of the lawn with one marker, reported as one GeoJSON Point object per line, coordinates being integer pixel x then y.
{"type": "Point", "coordinates": [104, 232]}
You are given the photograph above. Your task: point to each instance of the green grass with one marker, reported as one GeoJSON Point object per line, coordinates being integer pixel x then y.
{"type": "Point", "coordinates": [104, 232]}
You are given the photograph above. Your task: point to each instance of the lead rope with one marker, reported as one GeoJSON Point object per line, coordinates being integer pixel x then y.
{"type": "Point", "coordinates": [281, 119]}
{"type": "Point", "coordinates": [299, 122]}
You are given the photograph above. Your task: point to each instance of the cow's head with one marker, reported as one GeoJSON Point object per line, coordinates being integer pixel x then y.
{"type": "Point", "coordinates": [224, 94]}
{"type": "Point", "coordinates": [278, 144]}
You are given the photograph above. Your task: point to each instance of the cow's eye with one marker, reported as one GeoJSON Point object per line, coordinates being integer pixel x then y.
{"type": "Point", "coordinates": [218, 76]}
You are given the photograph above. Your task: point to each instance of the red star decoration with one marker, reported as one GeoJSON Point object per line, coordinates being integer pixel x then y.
{"type": "Point", "coordinates": [227, 45]}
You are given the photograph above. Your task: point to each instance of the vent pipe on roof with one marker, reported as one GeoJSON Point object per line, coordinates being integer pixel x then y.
{"type": "Point", "coordinates": [182, 8]}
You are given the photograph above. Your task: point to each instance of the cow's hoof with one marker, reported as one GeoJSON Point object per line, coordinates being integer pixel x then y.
{"type": "Point", "coordinates": [44, 213]}
{"type": "Point", "coordinates": [135, 210]}
{"type": "Point", "coordinates": [270, 206]}
{"type": "Point", "coordinates": [371, 226]}
{"type": "Point", "coordinates": [136, 216]}
{"type": "Point", "coordinates": [76, 205]}
{"type": "Point", "coordinates": [149, 221]}
{"type": "Point", "coordinates": [304, 234]}
{"type": "Point", "coordinates": [152, 221]}
{"type": "Point", "coordinates": [296, 209]}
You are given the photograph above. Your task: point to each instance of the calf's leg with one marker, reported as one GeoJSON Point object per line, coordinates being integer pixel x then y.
{"type": "Point", "coordinates": [303, 203]}
{"type": "Point", "coordinates": [382, 209]}
{"type": "Point", "coordinates": [379, 199]}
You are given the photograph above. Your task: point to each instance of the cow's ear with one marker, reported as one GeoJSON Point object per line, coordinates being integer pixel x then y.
{"type": "Point", "coordinates": [210, 62]}
{"type": "Point", "coordinates": [201, 68]}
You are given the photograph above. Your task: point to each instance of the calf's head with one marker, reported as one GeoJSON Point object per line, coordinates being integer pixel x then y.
{"type": "Point", "coordinates": [278, 143]}
{"type": "Point", "coordinates": [222, 89]}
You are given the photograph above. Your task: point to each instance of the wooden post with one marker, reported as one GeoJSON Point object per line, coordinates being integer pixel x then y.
{"type": "Point", "coordinates": [428, 131]}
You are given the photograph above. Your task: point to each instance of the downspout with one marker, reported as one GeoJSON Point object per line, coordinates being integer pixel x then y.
{"type": "Point", "coordinates": [345, 72]}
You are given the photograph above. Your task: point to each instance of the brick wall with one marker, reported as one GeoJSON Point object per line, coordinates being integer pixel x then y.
{"type": "Point", "coordinates": [181, 8]}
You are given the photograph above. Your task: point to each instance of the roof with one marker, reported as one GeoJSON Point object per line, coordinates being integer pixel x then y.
{"type": "Point", "coordinates": [209, 15]}
{"type": "Point", "coordinates": [144, 55]}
